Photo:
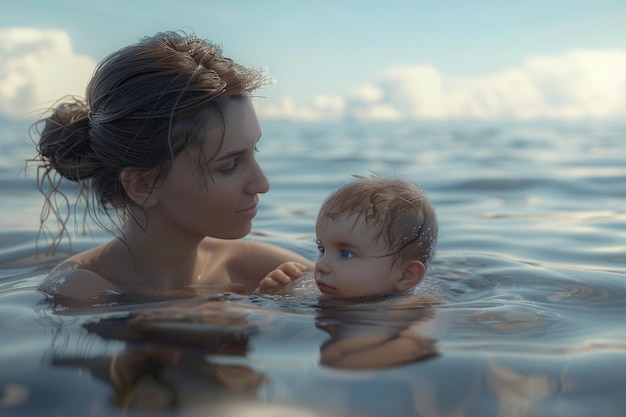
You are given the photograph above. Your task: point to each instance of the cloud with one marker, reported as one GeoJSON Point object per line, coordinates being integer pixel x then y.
{"type": "Point", "coordinates": [38, 67]}
{"type": "Point", "coordinates": [322, 107]}
{"type": "Point", "coordinates": [577, 84]}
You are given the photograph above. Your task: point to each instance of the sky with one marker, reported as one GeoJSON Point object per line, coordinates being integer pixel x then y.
{"type": "Point", "coordinates": [345, 59]}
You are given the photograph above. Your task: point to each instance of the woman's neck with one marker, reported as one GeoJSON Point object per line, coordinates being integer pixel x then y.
{"type": "Point", "coordinates": [161, 260]}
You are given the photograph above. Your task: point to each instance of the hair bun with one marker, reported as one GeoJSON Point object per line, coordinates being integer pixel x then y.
{"type": "Point", "coordinates": [65, 143]}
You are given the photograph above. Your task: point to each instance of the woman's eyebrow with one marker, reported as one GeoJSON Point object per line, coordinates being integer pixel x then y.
{"type": "Point", "coordinates": [231, 154]}
{"type": "Point", "coordinates": [235, 153]}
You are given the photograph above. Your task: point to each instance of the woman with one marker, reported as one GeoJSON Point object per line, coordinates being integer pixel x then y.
{"type": "Point", "coordinates": [166, 138]}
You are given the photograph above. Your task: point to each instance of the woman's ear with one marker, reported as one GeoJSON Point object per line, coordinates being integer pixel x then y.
{"type": "Point", "coordinates": [412, 274]}
{"type": "Point", "coordinates": [139, 186]}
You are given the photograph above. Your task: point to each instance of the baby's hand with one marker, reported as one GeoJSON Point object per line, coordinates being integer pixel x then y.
{"type": "Point", "coordinates": [281, 276]}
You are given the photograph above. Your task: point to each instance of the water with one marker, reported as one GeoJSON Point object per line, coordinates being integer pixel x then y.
{"type": "Point", "coordinates": [530, 271]}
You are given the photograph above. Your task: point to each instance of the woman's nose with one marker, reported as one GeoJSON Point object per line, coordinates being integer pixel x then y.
{"type": "Point", "coordinates": [259, 183]}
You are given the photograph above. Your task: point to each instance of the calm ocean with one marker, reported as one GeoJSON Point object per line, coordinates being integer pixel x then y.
{"type": "Point", "coordinates": [530, 269]}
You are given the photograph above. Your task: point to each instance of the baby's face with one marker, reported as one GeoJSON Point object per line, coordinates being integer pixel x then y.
{"type": "Point", "coordinates": [352, 262]}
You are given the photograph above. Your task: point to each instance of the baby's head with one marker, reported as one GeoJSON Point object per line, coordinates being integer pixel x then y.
{"type": "Point", "coordinates": [370, 223]}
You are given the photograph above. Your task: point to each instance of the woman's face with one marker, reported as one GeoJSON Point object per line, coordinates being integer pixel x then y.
{"type": "Point", "coordinates": [213, 190]}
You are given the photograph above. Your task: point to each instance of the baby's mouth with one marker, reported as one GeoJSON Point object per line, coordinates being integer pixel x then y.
{"type": "Point", "coordinates": [326, 289]}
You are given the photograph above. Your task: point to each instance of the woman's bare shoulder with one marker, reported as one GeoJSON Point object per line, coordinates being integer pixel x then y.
{"type": "Point", "coordinates": [248, 261]}
{"type": "Point", "coordinates": [253, 251]}
{"type": "Point", "coordinates": [75, 287]}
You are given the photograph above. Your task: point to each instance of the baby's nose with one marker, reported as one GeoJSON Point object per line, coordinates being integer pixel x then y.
{"type": "Point", "coordinates": [321, 266]}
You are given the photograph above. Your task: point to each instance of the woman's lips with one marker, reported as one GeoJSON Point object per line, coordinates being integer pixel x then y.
{"type": "Point", "coordinates": [248, 212]}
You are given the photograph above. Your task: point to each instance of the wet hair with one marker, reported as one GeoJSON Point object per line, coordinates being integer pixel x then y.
{"type": "Point", "coordinates": [145, 104]}
{"type": "Point", "coordinates": [394, 208]}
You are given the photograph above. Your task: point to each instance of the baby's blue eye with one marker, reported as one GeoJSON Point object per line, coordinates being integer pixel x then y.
{"type": "Point", "coordinates": [320, 250]}
{"type": "Point", "coordinates": [346, 254]}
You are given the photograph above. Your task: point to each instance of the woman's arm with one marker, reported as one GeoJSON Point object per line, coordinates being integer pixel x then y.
{"type": "Point", "coordinates": [252, 261]}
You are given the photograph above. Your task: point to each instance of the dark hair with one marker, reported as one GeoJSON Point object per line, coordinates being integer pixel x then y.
{"type": "Point", "coordinates": [144, 104]}
{"type": "Point", "coordinates": [394, 208]}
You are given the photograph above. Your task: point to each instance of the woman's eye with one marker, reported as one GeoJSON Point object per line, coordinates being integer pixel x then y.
{"type": "Point", "coordinates": [231, 168]}
{"type": "Point", "coordinates": [346, 254]}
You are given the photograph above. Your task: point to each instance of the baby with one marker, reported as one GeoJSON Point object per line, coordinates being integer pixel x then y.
{"type": "Point", "coordinates": [375, 236]}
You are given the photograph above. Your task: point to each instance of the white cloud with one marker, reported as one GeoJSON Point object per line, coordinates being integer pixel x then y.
{"type": "Point", "coordinates": [320, 108]}
{"type": "Point", "coordinates": [573, 85]}
{"type": "Point", "coordinates": [38, 67]}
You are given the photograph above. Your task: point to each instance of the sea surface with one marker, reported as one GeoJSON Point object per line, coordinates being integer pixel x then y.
{"type": "Point", "coordinates": [530, 274]}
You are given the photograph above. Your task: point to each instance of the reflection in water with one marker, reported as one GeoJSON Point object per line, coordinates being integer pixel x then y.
{"type": "Point", "coordinates": [566, 385]}
{"type": "Point", "coordinates": [496, 356]}
{"type": "Point", "coordinates": [374, 338]}
{"type": "Point", "coordinates": [163, 365]}
{"type": "Point", "coordinates": [196, 353]}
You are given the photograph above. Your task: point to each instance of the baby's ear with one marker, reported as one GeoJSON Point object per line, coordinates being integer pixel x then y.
{"type": "Point", "coordinates": [139, 186]}
{"type": "Point", "coordinates": [412, 274]}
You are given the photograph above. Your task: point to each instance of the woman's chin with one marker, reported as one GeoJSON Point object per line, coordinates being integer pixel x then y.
{"type": "Point", "coordinates": [238, 233]}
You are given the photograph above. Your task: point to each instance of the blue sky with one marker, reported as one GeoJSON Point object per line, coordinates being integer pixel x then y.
{"type": "Point", "coordinates": [392, 59]}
